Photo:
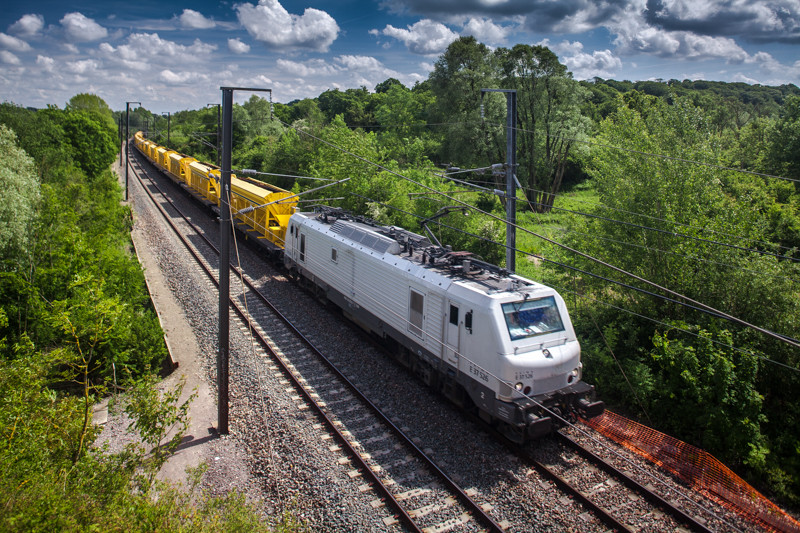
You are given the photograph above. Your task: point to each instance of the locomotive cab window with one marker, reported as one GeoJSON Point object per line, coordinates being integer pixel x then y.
{"type": "Point", "coordinates": [530, 318]}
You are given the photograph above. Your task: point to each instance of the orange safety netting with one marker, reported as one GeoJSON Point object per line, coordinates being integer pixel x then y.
{"type": "Point", "coordinates": [697, 468]}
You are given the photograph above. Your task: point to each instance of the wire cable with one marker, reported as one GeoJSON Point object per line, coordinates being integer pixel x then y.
{"type": "Point", "coordinates": [699, 305]}
{"type": "Point", "coordinates": [541, 258]}
{"type": "Point", "coordinates": [638, 226]}
{"type": "Point", "coordinates": [659, 156]}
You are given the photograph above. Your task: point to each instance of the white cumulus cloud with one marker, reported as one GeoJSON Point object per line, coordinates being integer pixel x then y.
{"type": "Point", "coordinates": [270, 23]}
{"type": "Point", "coordinates": [602, 63]}
{"type": "Point", "coordinates": [79, 28]}
{"type": "Point", "coordinates": [12, 43]}
{"type": "Point", "coordinates": [8, 58]}
{"type": "Point", "coordinates": [486, 31]}
{"type": "Point", "coordinates": [45, 62]}
{"type": "Point", "coordinates": [366, 66]}
{"type": "Point", "coordinates": [149, 48]}
{"type": "Point", "coordinates": [194, 20]}
{"type": "Point", "coordinates": [424, 37]}
{"type": "Point", "coordinates": [237, 46]}
{"type": "Point", "coordinates": [28, 25]}
{"type": "Point", "coordinates": [82, 67]}
{"type": "Point", "coordinates": [171, 77]}
{"type": "Point", "coordinates": [315, 67]}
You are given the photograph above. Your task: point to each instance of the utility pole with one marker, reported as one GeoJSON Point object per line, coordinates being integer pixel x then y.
{"type": "Point", "coordinates": [511, 170]}
{"type": "Point", "coordinates": [218, 112]}
{"type": "Point", "coordinates": [127, 144]}
{"type": "Point", "coordinates": [223, 353]}
{"type": "Point", "coordinates": [120, 138]}
{"type": "Point", "coordinates": [169, 117]}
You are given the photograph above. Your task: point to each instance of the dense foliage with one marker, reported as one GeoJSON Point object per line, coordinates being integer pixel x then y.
{"type": "Point", "coordinates": [639, 174]}
{"type": "Point", "coordinates": [76, 285]}
{"type": "Point", "coordinates": [75, 324]}
{"type": "Point", "coordinates": [681, 226]}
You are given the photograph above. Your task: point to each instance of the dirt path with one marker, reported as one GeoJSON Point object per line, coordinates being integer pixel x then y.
{"type": "Point", "coordinates": [200, 442]}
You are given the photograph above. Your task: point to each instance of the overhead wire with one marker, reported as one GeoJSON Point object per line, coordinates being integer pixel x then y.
{"type": "Point", "coordinates": [677, 223]}
{"type": "Point", "coordinates": [699, 305]}
{"type": "Point", "coordinates": [639, 226]}
{"type": "Point", "coordinates": [635, 245]}
{"type": "Point", "coordinates": [551, 261]}
{"type": "Point", "coordinates": [662, 156]}
{"type": "Point", "coordinates": [677, 254]}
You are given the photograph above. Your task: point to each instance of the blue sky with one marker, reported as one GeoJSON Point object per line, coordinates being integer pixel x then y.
{"type": "Point", "coordinates": [174, 55]}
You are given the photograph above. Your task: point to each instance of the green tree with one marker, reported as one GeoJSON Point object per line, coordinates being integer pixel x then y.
{"type": "Point", "coordinates": [354, 105]}
{"type": "Point", "coordinates": [784, 152]}
{"type": "Point", "coordinates": [458, 76]}
{"type": "Point", "coordinates": [549, 107]}
{"type": "Point", "coordinates": [714, 390]}
{"type": "Point", "coordinates": [91, 103]}
{"type": "Point", "coordinates": [20, 186]}
{"type": "Point", "coordinates": [94, 144]}
{"type": "Point", "coordinates": [679, 225]}
{"type": "Point", "coordinates": [403, 113]}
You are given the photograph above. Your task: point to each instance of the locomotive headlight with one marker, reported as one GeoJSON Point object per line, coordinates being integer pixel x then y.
{"type": "Point", "coordinates": [547, 353]}
{"type": "Point", "coordinates": [574, 376]}
{"type": "Point", "coordinates": [518, 386]}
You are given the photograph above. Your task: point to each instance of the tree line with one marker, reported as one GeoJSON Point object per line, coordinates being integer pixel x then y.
{"type": "Point", "coordinates": [77, 325]}
{"type": "Point", "coordinates": [644, 175]}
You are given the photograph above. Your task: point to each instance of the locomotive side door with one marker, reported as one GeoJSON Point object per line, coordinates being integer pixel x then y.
{"type": "Point", "coordinates": [452, 343]}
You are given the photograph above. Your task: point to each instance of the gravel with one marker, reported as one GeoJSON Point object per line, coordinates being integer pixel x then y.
{"type": "Point", "coordinates": [280, 457]}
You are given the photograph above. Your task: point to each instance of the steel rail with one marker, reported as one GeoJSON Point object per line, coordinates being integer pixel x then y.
{"type": "Point", "coordinates": [472, 506]}
{"type": "Point", "coordinates": [329, 423]}
{"type": "Point", "coordinates": [631, 483]}
{"type": "Point", "coordinates": [599, 511]}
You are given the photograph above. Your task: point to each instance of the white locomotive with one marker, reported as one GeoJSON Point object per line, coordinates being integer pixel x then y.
{"type": "Point", "coordinates": [501, 343]}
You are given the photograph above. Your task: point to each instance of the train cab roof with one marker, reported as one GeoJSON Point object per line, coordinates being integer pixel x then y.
{"type": "Point", "coordinates": [460, 267]}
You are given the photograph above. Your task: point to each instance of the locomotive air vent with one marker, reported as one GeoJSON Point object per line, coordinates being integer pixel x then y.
{"type": "Point", "coordinates": [366, 237]}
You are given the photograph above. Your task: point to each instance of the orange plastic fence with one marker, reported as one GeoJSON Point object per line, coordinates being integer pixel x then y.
{"type": "Point", "coordinates": [697, 468]}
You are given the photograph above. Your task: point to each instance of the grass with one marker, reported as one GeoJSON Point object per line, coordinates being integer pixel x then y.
{"type": "Point", "coordinates": [553, 225]}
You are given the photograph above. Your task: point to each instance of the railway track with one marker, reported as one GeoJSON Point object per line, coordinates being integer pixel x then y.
{"type": "Point", "coordinates": [416, 493]}
{"type": "Point", "coordinates": [379, 450]}
{"type": "Point", "coordinates": [615, 497]}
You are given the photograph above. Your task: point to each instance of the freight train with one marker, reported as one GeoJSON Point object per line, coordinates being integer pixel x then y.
{"type": "Point", "coordinates": [491, 341]}
{"type": "Point", "coordinates": [267, 224]}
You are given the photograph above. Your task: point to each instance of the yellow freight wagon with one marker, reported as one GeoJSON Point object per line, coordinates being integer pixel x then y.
{"type": "Point", "coordinates": [268, 222]}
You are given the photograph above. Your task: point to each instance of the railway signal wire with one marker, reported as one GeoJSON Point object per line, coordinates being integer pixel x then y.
{"type": "Point", "coordinates": [557, 263]}
{"type": "Point", "coordinates": [661, 156]}
{"type": "Point", "coordinates": [679, 298]}
{"type": "Point", "coordinates": [657, 219]}
{"type": "Point", "coordinates": [253, 172]}
{"type": "Point", "coordinates": [648, 248]}
{"type": "Point", "coordinates": [500, 193]}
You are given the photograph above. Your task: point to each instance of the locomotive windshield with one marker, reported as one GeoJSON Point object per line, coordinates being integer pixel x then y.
{"type": "Point", "coordinates": [530, 318]}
